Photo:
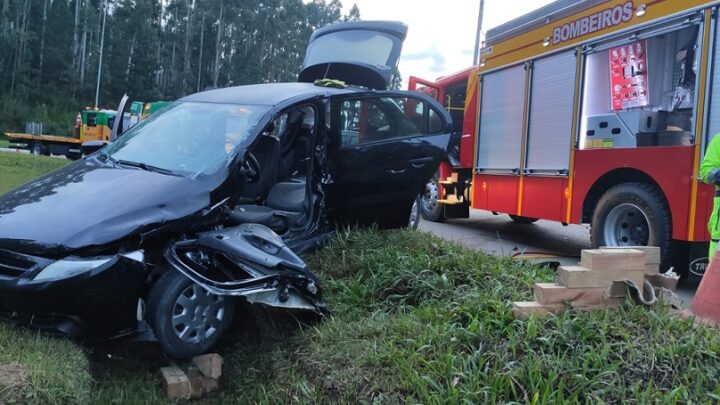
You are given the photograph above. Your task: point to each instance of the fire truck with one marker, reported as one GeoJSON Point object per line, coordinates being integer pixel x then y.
{"type": "Point", "coordinates": [590, 112]}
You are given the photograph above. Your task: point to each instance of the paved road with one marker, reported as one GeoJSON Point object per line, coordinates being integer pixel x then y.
{"type": "Point", "coordinates": [498, 235]}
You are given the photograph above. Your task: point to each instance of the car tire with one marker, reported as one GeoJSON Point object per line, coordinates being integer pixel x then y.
{"type": "Point", "coordinates": [632, 214]}
{"type": "Point", "coordinates": [429, 207]}
{"type": "Point", "coordinates": [522, 220]}
{"type": "Point", "coordinates": [187, 320]}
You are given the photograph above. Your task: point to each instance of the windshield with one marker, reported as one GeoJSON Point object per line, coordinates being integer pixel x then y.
{"type": "Point", "coordinates": [190, 139]}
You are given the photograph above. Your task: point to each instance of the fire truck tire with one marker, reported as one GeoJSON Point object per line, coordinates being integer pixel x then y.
{"type": "Point", "coordinates": [632, 214]}
{"type": "Point", "coordinates": [522, 220]}
{"type": "Point", "coordinates": [429, 207]}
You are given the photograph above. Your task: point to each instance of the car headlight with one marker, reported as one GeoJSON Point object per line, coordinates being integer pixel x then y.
{"type": "Point", "coordinates": [73, 266]}
{"type": "Point", "coordinates": [70, 267]}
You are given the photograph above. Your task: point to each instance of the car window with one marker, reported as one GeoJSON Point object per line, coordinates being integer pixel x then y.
{"type": "Point", "coordinates": [435, 122]}
{"type": "Point", "coordinates": [189, 138]}
{"type": "Point", "coordinates": [368, 120]}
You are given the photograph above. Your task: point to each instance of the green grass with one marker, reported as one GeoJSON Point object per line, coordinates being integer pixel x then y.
{"type": "Point", "coordinates": [416, 319]}
{"type": "Point", "coordinates": [17, 169]}
{"type": "Point", "coordinates": [58, 370]}
{"type": "Point", "coordinates": [4, 143]}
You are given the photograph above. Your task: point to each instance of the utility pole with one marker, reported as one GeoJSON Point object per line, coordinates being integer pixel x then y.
{"type": "Point", "coordinates": [102, 46]}
{"type": "Point", "coordinates": [476, 56]}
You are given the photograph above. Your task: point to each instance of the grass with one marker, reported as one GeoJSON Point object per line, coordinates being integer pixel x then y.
{"type": "Point", "coordinates": [4, 143]}
{"type": "Point", "coordinates": [416, 319]}
{"type": "Point", "coordinates": [58, 370]}
{"type": "Point", "coordinates": [17, 169]}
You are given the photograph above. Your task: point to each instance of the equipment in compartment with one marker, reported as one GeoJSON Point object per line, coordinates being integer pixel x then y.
{"type": "Point", "coordinates": [622, 129]}
{"type": "Point", "coordinates": [628, 76]}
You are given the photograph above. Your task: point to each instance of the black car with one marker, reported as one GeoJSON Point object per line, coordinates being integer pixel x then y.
{"type": "Point", "coordinates": [214, 197]}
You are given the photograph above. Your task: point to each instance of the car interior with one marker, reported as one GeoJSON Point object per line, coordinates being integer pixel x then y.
{"type": "Point", "coordinates": [276, 191]}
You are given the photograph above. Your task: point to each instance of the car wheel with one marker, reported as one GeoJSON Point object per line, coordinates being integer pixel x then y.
{"type": "Point", "coordinates": [522, 220]}
{"type": "Point", "coordinates": [632, 214]}
{"type": "Point", "coordinates": [36, 148]}
{"type": "Point", "coordinates": [414, 221]}
{"type": "Point", "coordinates": [430, 209]}
{"type": "Point", "coordinates": [186, 318]}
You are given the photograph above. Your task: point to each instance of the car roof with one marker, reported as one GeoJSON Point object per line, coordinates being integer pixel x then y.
{"type": "Point", "coordinates": [269, 94]}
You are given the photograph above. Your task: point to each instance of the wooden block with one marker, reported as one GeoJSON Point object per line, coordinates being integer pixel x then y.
{"type": "Point", "coordinates": [200, 384]}
{"type": "Point", "coordinates": [612, 259]}
{"type": "Point", "coordinates": [209, 364]}
{"type": "Point", "coordinates": [175, 382]}
{"type": "Point", "coordinates": [581, 277]}
{"type": "Point", "coordinates": [603, 307]}
{"type": "Point", "coordinates": [652, 269]}
{"type": "Point", "coordinates": [197, 388]}
{"type": "Point", "coordinates": [210, 384]}
{"type": "Point", "coordinates": [550, 293]}
{"type": "Point", "coordinates": [618, 289]}
{"type": "Point", "coordinates": [652, 253]}
{"type": "Point", "coordinates": [523, 310]}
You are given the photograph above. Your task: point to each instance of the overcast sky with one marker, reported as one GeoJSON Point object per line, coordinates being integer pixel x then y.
{"type": "Point", "coordinates": [441, 34]}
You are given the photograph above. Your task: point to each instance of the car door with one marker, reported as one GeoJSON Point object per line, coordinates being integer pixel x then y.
{"type": "Point", "coordinates": [386, 145]}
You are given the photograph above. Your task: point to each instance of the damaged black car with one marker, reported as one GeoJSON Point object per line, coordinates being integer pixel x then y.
{"type": "Point", "coordinates": [212, 199]}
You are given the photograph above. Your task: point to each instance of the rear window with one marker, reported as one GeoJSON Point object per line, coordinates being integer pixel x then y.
{"type": "Point", "coordinates": [350, 46]}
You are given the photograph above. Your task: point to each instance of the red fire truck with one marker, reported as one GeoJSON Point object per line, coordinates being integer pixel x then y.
{"type": "Point", "coordinates": [590, 112]}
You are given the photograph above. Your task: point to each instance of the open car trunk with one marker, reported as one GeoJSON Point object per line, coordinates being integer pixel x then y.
{"type": "Point", "coordinates": [360, 53]}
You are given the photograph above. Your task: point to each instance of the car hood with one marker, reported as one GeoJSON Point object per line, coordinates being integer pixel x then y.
{"type": "Point", "coordinates": [88, 204]}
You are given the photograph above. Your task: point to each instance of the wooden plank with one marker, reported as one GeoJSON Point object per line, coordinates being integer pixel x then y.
{"type": "Point", "coordinates": [553, 293]}
{"type": "Point", "coordinates": [602, 307]}
{"type": "Point", "coordinates": [612, 259]}
{"type": "Point", "coordinates": [582, 277]}
{"type": "Point", "coordinates": [525, 309]}
{"type": "Point", "coordinates": [652, 253]}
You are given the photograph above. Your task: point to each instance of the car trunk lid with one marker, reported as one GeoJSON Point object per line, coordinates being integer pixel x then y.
{"type": "Point", "coordinates": [360, 53]}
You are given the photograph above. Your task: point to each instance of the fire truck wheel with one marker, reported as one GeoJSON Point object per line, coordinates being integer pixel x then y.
{"type": "Point", "coordinates": [429, 207]}
{"type": "Point", "coordinates": [632, 214]}
{"type": "Point", "coordinates": [523, 220]}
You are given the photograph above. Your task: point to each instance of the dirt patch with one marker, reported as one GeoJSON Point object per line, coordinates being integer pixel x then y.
{"type": "Point", "coordinates": [14, 381]}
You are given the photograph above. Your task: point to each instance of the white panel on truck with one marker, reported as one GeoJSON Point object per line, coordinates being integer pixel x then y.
{"type": "Point", "coordinates": [551, 113]}
{"type": "Point", "coordinates": [501, 120]}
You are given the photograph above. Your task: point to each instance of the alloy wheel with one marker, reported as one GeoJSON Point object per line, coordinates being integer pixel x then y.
{"type": "Point", "coordinates": [197, 314]}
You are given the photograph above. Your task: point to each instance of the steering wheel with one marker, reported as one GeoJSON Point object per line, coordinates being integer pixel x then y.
{"type": "Point", "coordinates": [251, 166]}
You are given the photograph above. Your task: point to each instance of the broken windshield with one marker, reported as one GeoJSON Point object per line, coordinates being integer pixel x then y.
{"type": "Point", "coordinates": [188, 138]}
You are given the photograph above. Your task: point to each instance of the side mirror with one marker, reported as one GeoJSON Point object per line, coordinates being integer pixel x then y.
{"type": "Point", "coordinates": [91, 147]}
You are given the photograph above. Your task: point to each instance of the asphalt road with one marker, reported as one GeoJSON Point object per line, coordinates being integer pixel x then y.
{"type": "Point", "coordinates": [498, 235]}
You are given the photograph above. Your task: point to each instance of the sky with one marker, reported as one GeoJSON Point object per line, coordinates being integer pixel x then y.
{"type": "Point", "coordinates": [441, 34]}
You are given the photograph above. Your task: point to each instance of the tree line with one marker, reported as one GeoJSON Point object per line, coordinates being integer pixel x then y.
{"type": "Point", "coordinates": [50, 50]}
